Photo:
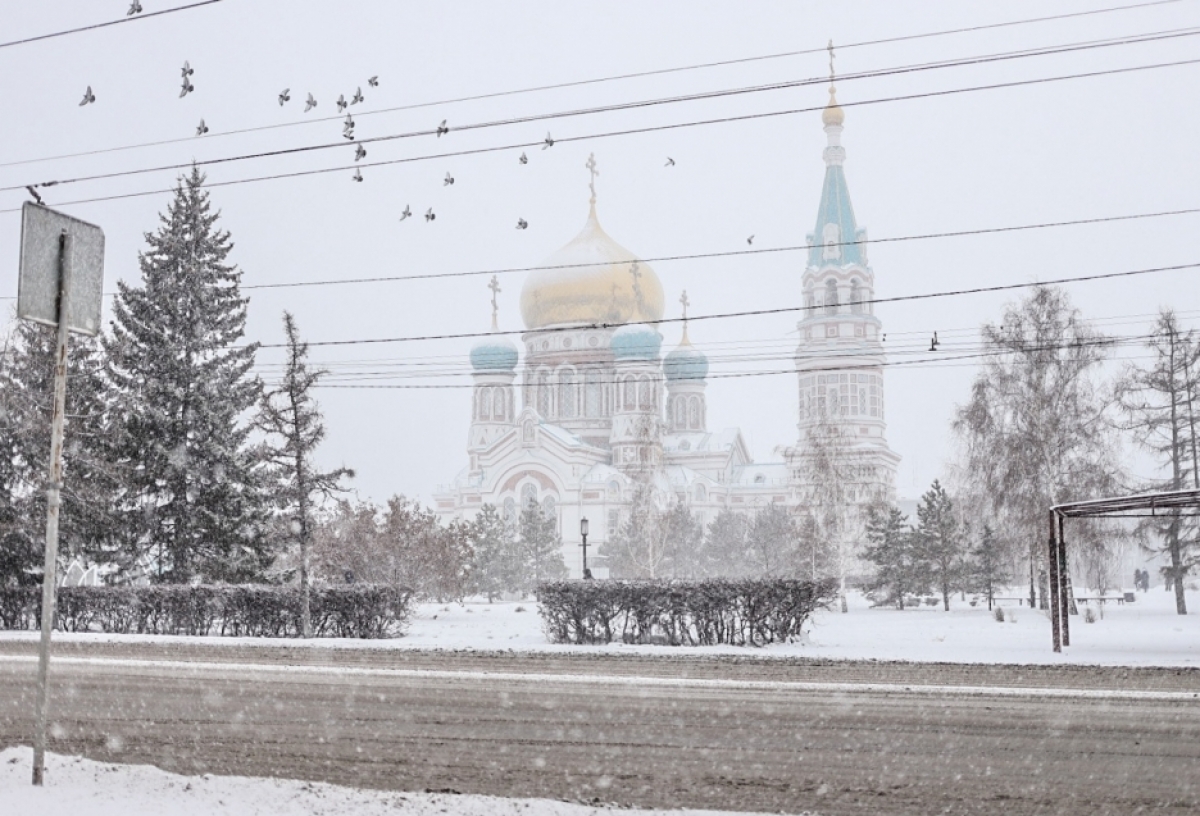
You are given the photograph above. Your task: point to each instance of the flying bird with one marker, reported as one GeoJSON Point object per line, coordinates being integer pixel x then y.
{"type": "Point", "coordinates": [310, 104]}
{"type": "Point", "coordinates": [358, 97]}
{"type": "Point", "coordinates": [187, 88]}
{"type": "Point", "coordinates": [34, 193]}
{"type": "Point", "coordinates": [357, 174]}
{"type": "Point", "coordinates": [524, 159]}
{"type": "Point", "coordinates": [750, 240]}
{"type": "Point", "coordinates": [522, 223]}
{"type": "Point", "coordinates": [134, 8]}
{"type": "Point", "coordinates": [448, 180]}
{"type": "Point", "coordinates": [341, 102]}
{"type": "Point", "coordinates": [202, 128]}
{"type": "Point", "coordinates": [373, 82]}
{"type": "Point", "coordinates": [406, 214]}
{"type": "Point", "coordinates": [88, 97]}
{"type": "Point", "coordinates": [670, 162]}
{"type": "Point", "coordinates": [187, 70]}
{"type": "Point", "coordinates": [285, 97]}
{"type": "Point", "coordinates": [429, 216]}
{"type": "Point", "coordinates": [442, 129]}
{"type": "Point", "coordinates": [549, 141]}
{"type": "Point", "coordinates": [360, 152]}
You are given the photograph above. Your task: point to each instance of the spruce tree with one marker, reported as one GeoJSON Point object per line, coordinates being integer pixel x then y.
{"type": "Point", "coordinates": [292, 420]}
{"type": "Point", "coordinates": [940, 540]}
{"type": "Point", "coordinates": [900, 570]}
{"type": "Point", "coordinates": [987, 565]}
{"type": "Point", "coordinates": [772, 543]}
{"type": "Point", "coordinates": [491, 540]}
{"type": "Point", "coordinates": [195, 505]}
{"type": "Point", "coordinates": [541, 547]}
{"type": "Point", "coordinates": [725, 546]}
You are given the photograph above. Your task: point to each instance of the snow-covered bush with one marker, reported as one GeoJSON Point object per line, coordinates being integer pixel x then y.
{"type": "Point", "coordinates": [1089, 615]}
{"type": "Point", "coordinates": [998, 614]}
{"type": "Point", "coordinates": [750, 612]}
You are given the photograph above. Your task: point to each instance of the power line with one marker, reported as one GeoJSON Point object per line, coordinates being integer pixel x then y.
{"type": "Point", "coordinates": [107, 24]}
{"type": "Point", "coordinates": [636, 75]}
{"type": "Point", "coordinates": [751, 313]}
{"type": "Point", "coordinates": [623, 106]}
{"type": "Point", "coordinates": [635, 131]}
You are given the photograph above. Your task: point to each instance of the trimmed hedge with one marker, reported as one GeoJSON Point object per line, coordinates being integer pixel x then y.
{"type": "Point", "coordinates": [693, 613]}
{"type": "Point", "coordinates": [359, 611]}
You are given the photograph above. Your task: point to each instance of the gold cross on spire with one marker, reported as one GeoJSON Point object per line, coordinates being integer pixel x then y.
{"type": "Point", "coordinates": [637, 286]}
{"type": "Point", "coordinates": [494, 285]}
{"type": "Point", "coordinates": [591, 166]}
{"type": "Point", "coordinates": [830, 48]}
{"type": "Point", "coordinates": [683, 301]}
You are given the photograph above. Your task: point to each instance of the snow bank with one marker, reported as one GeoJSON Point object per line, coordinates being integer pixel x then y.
{"type": "Point", "coordinates": [76, 786]}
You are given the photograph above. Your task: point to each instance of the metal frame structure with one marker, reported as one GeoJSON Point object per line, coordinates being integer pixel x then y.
{"type": "Point", "coordinates": [1117, 507]}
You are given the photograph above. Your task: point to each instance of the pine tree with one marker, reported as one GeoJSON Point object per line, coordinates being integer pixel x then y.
{"type": "Point", "coordinates": [684, 543]}
{"type": "Point", "coordinates": [86, 527]}
{"type": "Point", "coordinates": [939, 540]}
{"type": "Point", "coordinates": [900, 570]}
{"type": "Point", "coordinates": [987, 566]}
{"type": "Point", "coordinates": [491, 540]}
{"type": "Point", "coordinates": [292, 419]}
{"type": "Point", "coordinates": [195, 507]}
{"type": "Point", "coordinates": [724, 553]}
{"type": "Point", "coordinates": [541, 547]}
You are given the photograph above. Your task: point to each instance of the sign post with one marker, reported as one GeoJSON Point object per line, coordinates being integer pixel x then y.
{"type": "Point", "coordinates": [60, 284]}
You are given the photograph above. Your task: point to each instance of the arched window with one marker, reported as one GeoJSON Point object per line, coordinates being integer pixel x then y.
{"type": "Point", "coordinates": [550, 508]}
{"type": "Point", "coordinates": [485, 403]}
{"type": "Point", "coordinates": [694, 413]}
{"type": "Point", "coordinates": [701, 493]}
{"type": "Point", "coordinates": [591, 393]}
{"type": "Point", "coordinates": [543, 394]}
{"type": "Point", "coordinates": [528, 495]}
{"type": "Point", "coordinates": [855, 297]}
{"type": "Point", "coordinates": [566, 393]}
{"type": "Point", "coordinates": [614, 490]}
{"type": "Point", "coordinates": [679, 412]}
{"type": "Point", "coordinates": [831, 296]}
{"type": "Point", "coordinates": [510, 510]}
{"type": "Point", "coordinates": [629, 386]}
{"type": "Point", "coordinates": [645, 393]}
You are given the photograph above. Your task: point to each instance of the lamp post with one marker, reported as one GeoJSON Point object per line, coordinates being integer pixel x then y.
{"type": "Point", "coordinates": [583, 531]}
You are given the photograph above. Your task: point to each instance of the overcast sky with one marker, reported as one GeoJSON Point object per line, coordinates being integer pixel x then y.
{"type": "Point", "coordinates": [1083, 148]}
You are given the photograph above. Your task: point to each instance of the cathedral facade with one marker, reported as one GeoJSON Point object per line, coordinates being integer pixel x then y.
{"type": "Point", "coordinates": [589, 408]}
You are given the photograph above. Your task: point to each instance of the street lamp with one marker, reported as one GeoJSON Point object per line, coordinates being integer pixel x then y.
{"type": "Point", "coordinates": [583, 531]}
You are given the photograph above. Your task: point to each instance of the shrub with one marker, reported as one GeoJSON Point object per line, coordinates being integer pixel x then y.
{"type": "Point", "coordinates": [1089, 615]}
{"type": "Point", "coordinates": [356, 611]}
{"type": "Point", "coordinates": [698, 613]}
{"type": "Point", "coordinates": [998, 614]}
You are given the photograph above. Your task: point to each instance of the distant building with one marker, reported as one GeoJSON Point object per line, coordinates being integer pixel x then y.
{"type": "Point", "coordinates": [602, 410]}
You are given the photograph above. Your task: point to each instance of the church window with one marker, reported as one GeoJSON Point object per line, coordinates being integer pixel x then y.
{"type": "Point", "coordinates": [862, 401]}
{"type": "Point", "coordinates": [701, 493]}
{"type": "Point", "coordinates": [629, 386]}
{"type": "Point", "coordinates": [614, 490]}
{"type": "Point", "coordinates": [614, 523]}
{"type": "Point", "coordinates": [645, 395]}
{"type": "Point", "coordinates": [694, 413]}
{"type": "Point", "coordinates": [591, 395]}
{"type": "Point", "coordinates": [855, 297]}
{"type": "Point", "coordinates": [678, 410]}
{"type": "Point", "coordinates": [831, 238]}
{"type": "Point", "coordinates": [485, 403]}
{"type": "Point", "coordinates": [566, 393]}
{"type": "Point", "coordinates": [543, 393]}
{"type": "Point", "coordinates": [510, 510]}
{"type": "Point", "coordinates": [528, 495]}
{"type": "Point", "coordinates": [831, 296]}
{"type": "Point", "coordinates": [550, 508]}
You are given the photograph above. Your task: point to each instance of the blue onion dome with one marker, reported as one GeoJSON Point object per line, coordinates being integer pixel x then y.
{"type": "Point", "coordinates": [494, 354]}
{"type": "Point", "coordinates": [685, 363]}
{"type": "Point", "coordinates": [636, 341]}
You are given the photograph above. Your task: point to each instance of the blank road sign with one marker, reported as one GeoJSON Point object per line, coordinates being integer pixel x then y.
{"type": "Point", "coordinates": [37, 288]}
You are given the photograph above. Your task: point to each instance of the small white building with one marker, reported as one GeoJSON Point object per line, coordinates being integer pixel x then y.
{"type": "Point", "coordinates": [601, 409]}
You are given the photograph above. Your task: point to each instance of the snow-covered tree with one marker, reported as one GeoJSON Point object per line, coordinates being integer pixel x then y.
{"type": "Point", "coordinates": [987, 566]}
{"type": "Point", "coordinates": [725, 546]}
{"type": "Point", "coordinates": [1161, 403]}
{"type": "Point", "coordinates": [772, 543]}
{"type": "Point", "coordinates": [497, 566]}
{"type": "Point", "coordinates": [940, 541]}
{"type": "Point", "coordinates": [541, 547]}
{"type": "Point", "coordinates": [290, 417]}
{"type": "Point", "coordinates": [194, 506]}
{"type": "Point", "coordinates": [900, 569]}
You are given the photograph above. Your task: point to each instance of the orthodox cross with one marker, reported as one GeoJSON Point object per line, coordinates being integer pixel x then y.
{"type": "Point", "coordinates": [591, 166]}
{"type": "Point", "coordinates": [683, 300]}
{"type": "Point", "coordinates": [494, 285]}
{"type": "Point", "coordinates": [637, 284]}
{"type": "Point", "coordinates": [830, 49]}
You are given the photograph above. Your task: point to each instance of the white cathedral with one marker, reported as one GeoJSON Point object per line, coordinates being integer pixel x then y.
{"type": "Point", "coordinates": [602, 410]}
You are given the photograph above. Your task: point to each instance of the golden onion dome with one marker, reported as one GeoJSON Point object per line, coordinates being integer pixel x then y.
{"type": "Point", "coordinates": [833, 113]}
{"type": "Point", "coordinates": [592, 279]}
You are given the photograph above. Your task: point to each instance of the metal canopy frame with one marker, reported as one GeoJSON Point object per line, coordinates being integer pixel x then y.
{"type": "Point", "coordinates": [1115, 507]}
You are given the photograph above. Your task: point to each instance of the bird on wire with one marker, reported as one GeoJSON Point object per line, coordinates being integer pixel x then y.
{"type": "Point", "coordinates": [134, 8]}
{"type": "Point", "coordinates": [524, 159]}
{"type": "Point", "coordinates": [201, 128]}
{"type": "Point", "coordinates": [750, 240]}
{"type": "Point", "coordinates": [310, 104]}
{"type": "Point", "coordinates": [88, 97]}
{"type": "Point", "coordinates": [670, 162]}
{"type": "Point", "coordinates": [373, 82]}
{"type": "Point", "coordinates": [285, 96]}
{"type": "Point", "coordinates": [441, 129]}
{"type": "Point", "coordinates": [933, 344]}
{"type": "Point", "coordinates": [429, 216]}
{"type": "Point", "coordinates": [406, 214]}
{"type": "Point", "coordinates": [357, 174]}
{"type": "Point", "coordinates": [341, 102]}
{"type": "Point", "coordinates": [549, 142]}
{"type": "Point", "coordinates": [522, 223]}
{"type": "Point", "coordinates": [360, 152]}
{"type": "Point", "coordinates": [448, 180]}
{"type": "Point", "coordinates": [34, 193]}
{"type": "Point", "coordinates": [358, 97]}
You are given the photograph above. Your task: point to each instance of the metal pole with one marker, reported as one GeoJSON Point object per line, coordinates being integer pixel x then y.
{"type": "Point", "coordinates": [586, 574]}
{"type": "Point", "coordinates": [1055, 607]}
{"type": "Point", "coordinates": [1064, 594]}
{"type": "Point", "coordinates": [53, 502]}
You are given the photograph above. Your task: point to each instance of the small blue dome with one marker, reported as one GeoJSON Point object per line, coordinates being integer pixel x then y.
{"type": "Point", "coordinates": [636, 341]}
{"type": "Point", "coordinates": [494, 354]}
{"type": "Point", "coordinates": [685, 363]}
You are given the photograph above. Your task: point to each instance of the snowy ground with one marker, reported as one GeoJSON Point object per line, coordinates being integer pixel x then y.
{"type": "Point", "coordinates": [1144, 633]}
{"type": "Point", "coordinates": [80, 787]}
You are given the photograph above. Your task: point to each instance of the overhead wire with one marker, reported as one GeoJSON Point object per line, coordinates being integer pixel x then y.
{"type": "Point", "coordinates": [622, 106]}
{"type": "Point", "coordinates": [618, 77]}
{"type": "Point", "coordinates": [118, 21]}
